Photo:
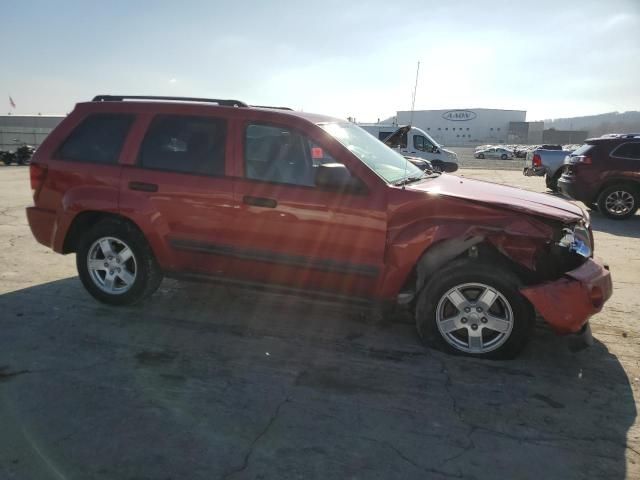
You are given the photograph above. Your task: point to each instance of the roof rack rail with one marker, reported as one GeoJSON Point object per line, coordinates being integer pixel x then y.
{"type": "Point", "coordinates": [267, 106]}
{"type": "Point", "coordinates": [120, 98]}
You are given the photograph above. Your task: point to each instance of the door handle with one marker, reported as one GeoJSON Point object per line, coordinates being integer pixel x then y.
{"type": "Point", "coordinates": [260, 201]}
{"type": "Point", "coordinates": [143, 187]}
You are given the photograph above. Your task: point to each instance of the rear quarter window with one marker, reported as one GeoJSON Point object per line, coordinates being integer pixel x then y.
{"type": "Point", "coordinates": [629, 150]}
{"type": "Point", "coordinates": [583, 150]}
{"type": "Point", "coordinates": [98, 139]}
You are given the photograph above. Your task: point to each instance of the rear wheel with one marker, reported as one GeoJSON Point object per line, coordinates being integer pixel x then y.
{"type": "Point", "coordinates": [116, 265]}
{"type": "Point", "coordinates": [619, 201]}
{"type": "Point", "coordinates": [474, 309]}
{"type": "Point", "coordinates": [552, 182]}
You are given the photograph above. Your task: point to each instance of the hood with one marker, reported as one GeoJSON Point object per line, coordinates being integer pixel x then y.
{"type": "Point", "coordinates": [395, 138]}
{"type": "Point", "coordinates": [512, 198]}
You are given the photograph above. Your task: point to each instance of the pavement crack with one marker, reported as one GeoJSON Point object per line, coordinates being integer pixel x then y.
{"type": "Point", "coordinates": [412, 462]}
{"type": "Point", "coordinates": [261, 434]}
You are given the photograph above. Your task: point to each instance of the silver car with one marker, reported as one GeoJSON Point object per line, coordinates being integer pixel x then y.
{"type": "Point", "coordinates": [494, 152]}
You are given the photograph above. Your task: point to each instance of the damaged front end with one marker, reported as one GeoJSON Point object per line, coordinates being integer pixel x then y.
{"type": "Point", "coordinates": [574, 285]}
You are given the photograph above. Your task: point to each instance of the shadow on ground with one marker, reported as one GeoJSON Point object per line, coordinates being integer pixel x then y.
{"type": "Point", "coordinates": [204, 381]}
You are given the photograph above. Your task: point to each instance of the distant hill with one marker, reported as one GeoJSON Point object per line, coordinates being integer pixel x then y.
{"type": "Point", "coordinates": [596, 125]}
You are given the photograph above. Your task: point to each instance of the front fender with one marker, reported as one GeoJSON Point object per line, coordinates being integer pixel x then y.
{"type": "Point", "coordinates": [431, 243]}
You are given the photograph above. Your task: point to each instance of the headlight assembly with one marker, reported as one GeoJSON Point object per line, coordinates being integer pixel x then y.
{"type": "Point", "coordinates": [577, 240]}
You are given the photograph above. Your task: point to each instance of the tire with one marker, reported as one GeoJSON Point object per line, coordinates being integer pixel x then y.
{"type": "Point", "coordinates": [117, 280]}
{"type": "Point", "coordinates": [450, 167]}
{"type": "Point", "coordinates": [503, 156]}
{"type": "Point", "coordinates": [510, 311]}
{"type": "Point", "coordinates": [619, 202]}
{"type": "Point", "coordinates": [438, 165]}
{"type": "Point", "coordinates": [552, 182]}
{"type": "Point", "coordinates": [481, 156]}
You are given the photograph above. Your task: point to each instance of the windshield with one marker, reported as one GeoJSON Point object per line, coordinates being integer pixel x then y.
{"type": "Point", "coordinates": [384, 161]}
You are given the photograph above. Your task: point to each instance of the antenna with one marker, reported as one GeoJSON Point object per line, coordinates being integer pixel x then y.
{"type": "Point", "coordinates": [413, 105]}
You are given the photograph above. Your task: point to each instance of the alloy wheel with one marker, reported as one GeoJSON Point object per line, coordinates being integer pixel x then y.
{"type": "Point", "coordinates": [474, 318]}
{"type": "Point", "coordinates": [112, 265]}
{"type": "Point", "coordinates": [619, 202]}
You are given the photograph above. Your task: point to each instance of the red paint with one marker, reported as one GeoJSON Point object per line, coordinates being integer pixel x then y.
{"type": "Point", "coordinates": [566, 304]}
{"type": "Point", "coordinates": [359, 244]}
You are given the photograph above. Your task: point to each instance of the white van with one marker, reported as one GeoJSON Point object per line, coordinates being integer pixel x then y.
{"type": "Point", "coordinates": [415, 142]}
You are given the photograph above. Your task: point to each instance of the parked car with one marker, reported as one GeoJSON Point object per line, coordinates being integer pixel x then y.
{"type": "Point", "coordinates": [547, 163]}
{"type": "Point", "coordinates": [605, 173]}
{"type": "Point", "coordinates": [295, 201]}
{"type": "Point", "coordinates": [414, 142]}
{"type": "Point", "coordinates": [21, 156]}
{"type": "Point", "coordinates": [494, 152]}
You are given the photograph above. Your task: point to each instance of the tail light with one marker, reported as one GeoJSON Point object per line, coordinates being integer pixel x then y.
{"type": "Point", "coordinates": [537, 160]}
{"type": "Point", "coordinates": [582, 159]}
{"type": "Point", "coordinates": [37, 174]}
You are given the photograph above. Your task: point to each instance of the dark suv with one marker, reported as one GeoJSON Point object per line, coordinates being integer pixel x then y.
{"type": "Point", "coordinates": [142, 187]}
{"type": "Point", "coordinates": [604, 173]}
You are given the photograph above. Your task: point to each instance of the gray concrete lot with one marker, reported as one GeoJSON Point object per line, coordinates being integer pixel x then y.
{"type": "Point", "coordinates": [209, 382]}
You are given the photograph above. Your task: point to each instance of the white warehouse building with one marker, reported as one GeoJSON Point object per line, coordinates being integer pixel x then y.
{"type": "Point", "coordinates": [461, 127]}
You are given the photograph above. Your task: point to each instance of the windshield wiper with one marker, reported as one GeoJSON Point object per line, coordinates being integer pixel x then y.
{"type": "Point", "coordinates": [415, 178]}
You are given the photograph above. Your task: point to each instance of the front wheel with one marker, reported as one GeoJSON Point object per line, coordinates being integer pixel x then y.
{"type": "Point", "coordinates": [474, 309]}
{"type": "Point", "coordinates": [619, 201]}
{"type": "Point", "coordinates": [481, 156]}
{"type": "Point", "coordinates": [503, 156]}
{"type": "Point", "coordinates": [116, 265]}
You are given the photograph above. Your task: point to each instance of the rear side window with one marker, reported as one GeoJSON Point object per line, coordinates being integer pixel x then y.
{"type": "Point", "coordinates": [98, 139]}
{"type": "Point", "coordinates": [185, 144]}
{"type": "Point", "coordinates": [583, 150]}
{"type": "Point", "coordinates": [628, 150]}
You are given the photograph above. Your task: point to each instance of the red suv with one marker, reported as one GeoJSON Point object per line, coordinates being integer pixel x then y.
{"type": "Point", "coordinates": [141, 187]}
{"type": "Point", "coordinates": [605, 173]}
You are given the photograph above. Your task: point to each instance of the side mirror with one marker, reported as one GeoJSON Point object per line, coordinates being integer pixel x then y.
{"type": "Point", "coordinates": [336, 176]}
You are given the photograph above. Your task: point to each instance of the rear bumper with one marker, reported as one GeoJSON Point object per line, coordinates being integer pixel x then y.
{"type": "Point", "coordinates": [533, 171]}
{"type": "Point", "coordinates": [569, 187]}
{"type": "Point", "coordinates": [567, 304]}
{"type": "Point", "coordinates": [43, 225]}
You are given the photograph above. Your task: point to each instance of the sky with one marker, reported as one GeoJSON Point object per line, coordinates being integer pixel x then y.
{"type": "Point", "coordinates": [343, 58]}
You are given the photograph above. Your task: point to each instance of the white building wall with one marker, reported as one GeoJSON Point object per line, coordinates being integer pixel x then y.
{"type": "Point", "coordinates": [460, 127]}
{"type": "Point", "coordinates": [16, 130]}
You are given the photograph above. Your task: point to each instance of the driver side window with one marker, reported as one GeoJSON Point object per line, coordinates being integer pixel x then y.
{"type": "Point", "coordinates": [280, 155]}
{"type": "Point", "coordinates": [419, 143]}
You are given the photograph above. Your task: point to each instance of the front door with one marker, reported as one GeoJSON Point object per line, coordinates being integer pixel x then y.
{"type": "Point", "coordinates": [292, 233]}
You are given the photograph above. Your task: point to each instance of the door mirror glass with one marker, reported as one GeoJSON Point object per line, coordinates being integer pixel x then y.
{"type": "Point", "coordinates": [336, 176]}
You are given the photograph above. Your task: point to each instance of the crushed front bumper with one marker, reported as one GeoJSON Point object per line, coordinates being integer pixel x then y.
{"type": "Point", "coordinates": [567, 303]}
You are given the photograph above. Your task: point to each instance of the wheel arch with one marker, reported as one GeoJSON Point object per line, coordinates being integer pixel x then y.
{"type": "Point", "coordinates": [440, 255]}
{"type": "Point", "coordinates": [85, 220]}
{"type": "Point", "coordinates": [610, 182]}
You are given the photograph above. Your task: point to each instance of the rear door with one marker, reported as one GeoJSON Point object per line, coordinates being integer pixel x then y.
{"type": "Point", "coordinates": [625, 159]}
{"type": "Point", "coordinates": [178, 188]}
{"type": "Point", "coordinates": [290, 232]}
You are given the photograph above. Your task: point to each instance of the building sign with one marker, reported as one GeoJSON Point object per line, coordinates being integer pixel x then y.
{"type": "Point", "coordinates": [459, 115]}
